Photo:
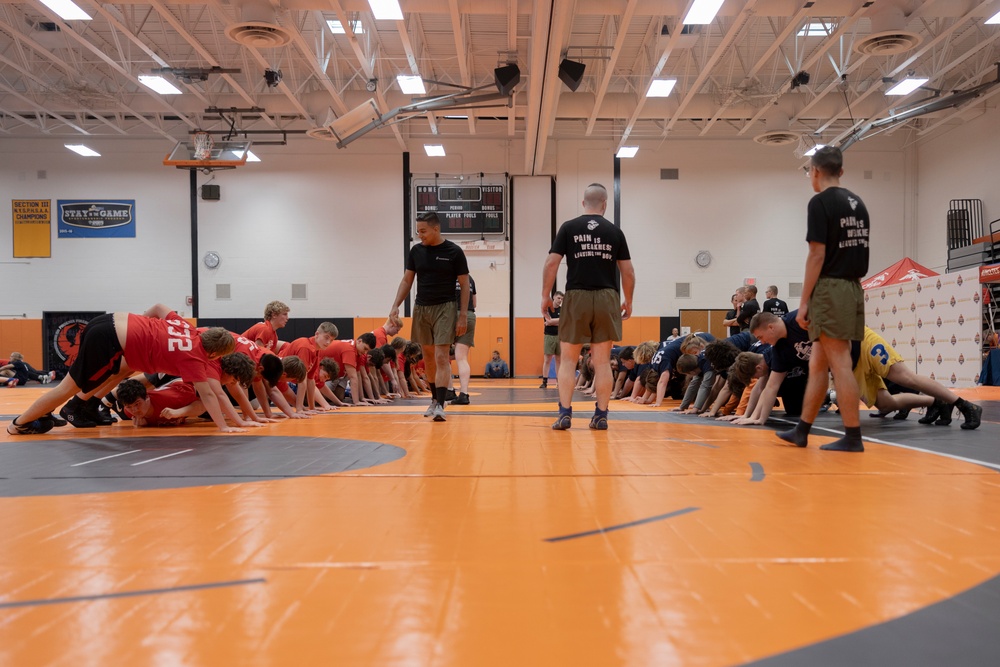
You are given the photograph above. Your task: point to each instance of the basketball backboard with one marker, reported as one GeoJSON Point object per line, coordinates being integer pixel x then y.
{"type": "Point", "coordinates": [223, 154]}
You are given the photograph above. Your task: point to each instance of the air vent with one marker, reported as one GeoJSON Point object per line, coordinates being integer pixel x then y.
{"type": "Point", "coordinates": [777, 138]}
{"type": "Point", "coordinates": [323, 133]}
{"type": "Point", "coordinates": [223, 291]}
{"type": "Point", "coordinates": [670, 174]}
{"type": "Point", "coordinates": [794, 290]}
{"type": "Point", "coordinates": [887, 43]}
{"type": "Point", "coordinates": [298, 291]}
{"type": "Point", "coordinates": [258, 34]}
{"type": "Point", "coordinates": [869, 175]}
{"type": "Point", "coordinates": [682, 290]}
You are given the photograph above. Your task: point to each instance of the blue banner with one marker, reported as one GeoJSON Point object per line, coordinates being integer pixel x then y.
{"type": "Point", "coordinates": [89, 218]}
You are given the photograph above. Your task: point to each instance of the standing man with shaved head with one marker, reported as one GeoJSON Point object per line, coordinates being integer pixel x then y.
{"type": "Point", "coordinates": [592, 310]}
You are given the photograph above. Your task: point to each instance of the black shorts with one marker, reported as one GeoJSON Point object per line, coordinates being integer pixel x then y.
{"type": "Point", "coordinates": [100, 354]}
{"type": "Point", "coordinates": [159, 379]}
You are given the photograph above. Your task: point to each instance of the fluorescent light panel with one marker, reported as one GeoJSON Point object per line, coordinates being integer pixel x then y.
{"type": "Point", "coordinates": [993, 20]}
{"type": "Point", "coordinates": [702, 12]}
{"type": "Point", "coordinates": [159, 84]}
{"type": "Point", "coordinates": [906, 86]}
{"type": "Point", "coordinates": [386, 10]}
{"type": "Point", "coordinates": [433, 150]}
{"type": "Point", "coordinates": [80, 149]}
{"type": "Point", "coordinates": [411, 85]}
{"type": "Point", "coordinates": [627, 151]}
{"type": "Point", "coordinates": [338, 29]}
{"type": "Point", "coordinates": [67, 10]}
{"type": "Point", "coordinates": [251, 157]}
{"type": "Point", "coordinates": [661, 87]}
{"type": "Point", "coordinates": [812, 151]}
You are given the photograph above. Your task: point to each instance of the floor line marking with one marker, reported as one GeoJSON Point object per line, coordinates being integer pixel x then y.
{"type": "Point", "coordinates": [166, 456]}
{"type": "Point", "coordinates": [692, 442]}
{"type": "Point", "coordinates": [129, 594]}
{"type": "Point", "coordinates": [966, 459]}
{"type": "Point", "coordinates": [638, 522]}
{"type": "Point", "coordinates": [758, 472]}
{"type": "Point", "coordinates": [105, 458]}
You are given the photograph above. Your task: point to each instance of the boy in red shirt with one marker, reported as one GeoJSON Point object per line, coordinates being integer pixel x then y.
{"type": "Point", "coordinates": [265, 334]}
{"type": "Point", "coordinates": [114, 346]}
{"type": "Point", "coordinates": [308, 349]}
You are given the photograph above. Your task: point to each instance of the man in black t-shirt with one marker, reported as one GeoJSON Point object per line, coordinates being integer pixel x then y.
{"type": "Point", "coordinates": [832, 306]}
{"type": "Point", "coordinates": [773, 304]}
{"type": "Point", "coordinates": [748, 308]}
{"type": "Point", "coordinates": [436, 264]}
{"type": "Point", "coordinates": [551, 340]}
{"type": "Point", "coordinates": [731, 322]}
{"type": "Point", "coordinates": [592, 310]}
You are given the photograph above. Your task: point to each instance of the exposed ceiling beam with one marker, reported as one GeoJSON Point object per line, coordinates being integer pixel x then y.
{"type": "Point", "coordinates": [609, 70]}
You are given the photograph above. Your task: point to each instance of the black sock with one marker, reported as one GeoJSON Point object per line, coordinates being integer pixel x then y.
{"type": "Point", "coordinates": [798, 436]}
{"type": "Point", "coordinates": [433, 388]}
{"type": "Point", "coordinates": [851, 442]}
{"type": "Point", "coordinates": [440, 395]}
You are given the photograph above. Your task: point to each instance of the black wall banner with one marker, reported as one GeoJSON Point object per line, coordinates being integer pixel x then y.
{"type": "Point", "coordinates": [61, 334]}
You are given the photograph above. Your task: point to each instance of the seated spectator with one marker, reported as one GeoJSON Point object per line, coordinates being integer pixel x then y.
{"type": "Point", "coordinates": [496, 367]}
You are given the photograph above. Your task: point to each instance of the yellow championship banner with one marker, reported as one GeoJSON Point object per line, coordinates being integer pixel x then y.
{"type": "Point", "coordinates": [32, 227]}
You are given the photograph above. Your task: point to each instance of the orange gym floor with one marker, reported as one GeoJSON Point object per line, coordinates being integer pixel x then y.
{"type": "Point", "coordinates": [372, 536]}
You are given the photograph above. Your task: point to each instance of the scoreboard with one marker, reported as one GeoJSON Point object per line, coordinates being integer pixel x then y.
{"type": "Point", "coordinates": [463, 208]}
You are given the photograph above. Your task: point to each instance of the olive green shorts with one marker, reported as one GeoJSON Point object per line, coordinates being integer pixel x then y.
{"type": "Point", "coordinates": [590, 316]}
{"type": "Point", "coordinates": [434, 325]}
{"type": "Point", "coordinates": [551, 345]}
{"type": "Point", "coordinates": [469, 338]}
{"type": "Point", "coordinates": [837, 309]}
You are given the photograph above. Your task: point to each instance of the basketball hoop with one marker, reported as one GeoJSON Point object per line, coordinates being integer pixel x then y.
{"type": "Point", "coordinates": [202, 145]}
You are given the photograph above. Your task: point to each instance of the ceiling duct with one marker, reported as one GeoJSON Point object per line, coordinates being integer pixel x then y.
{"type": "Point", "coordinates": [258, 27]}
{"type": "Point", "coordinates": [777, 121]}
{"type": "Point", "coordinates": [889, 35]}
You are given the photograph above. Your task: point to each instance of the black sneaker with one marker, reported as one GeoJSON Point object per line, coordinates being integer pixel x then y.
{"type": "Point", "coordinates": [932, 414]}
{"type": "Point", "coordinates": [461, 399]}
{"type": "Point", "coordinates": [450, 395]}
{"type": "Point", "coordinates": [56, 419]}
{"type": "Point", "coordinates": [77, 415]}
{"type": "Point", "coordinates": [97, 412]}
{"type": "Point", "coordinates": [36, 427]}
{"type": "Point", "coordinates": [902, 414]}
{"type": "Point", "coordinates": [544, 384]}
{"type": "Point", "coordinates": [944, 415]}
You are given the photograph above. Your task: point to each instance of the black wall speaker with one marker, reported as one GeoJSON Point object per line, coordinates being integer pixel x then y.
{"type": "Point", "coordinates": [506, 78]}
{"type": "Point", "coordinates": [211, 192]}
{"type": "Point", "coordinates": [571, 73]}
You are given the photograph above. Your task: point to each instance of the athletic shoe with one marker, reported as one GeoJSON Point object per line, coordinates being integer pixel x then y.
{"type": "Point", "coordinates": [52, 376]}
{"type": "Point", "coordinates": [429, 412]}
{"type": "Point", "coordinates": [77, 416]}
{"type": "Point", "coordinates": [37, 427]}
{"type": "Point", "coordinates": [98, 412]}
{"type": "Point", "coordinates": [562, 422]}
{"type": "Point", "coordinates": [439, 413]}
{"type": "Point", "coordinates": [972, 413]}
{"type": "Point", "coordinates": [450, 395]}
{"type": "Point", "coordinates": [932, 413]}
{"type": "Point", "coordinates": [599, 422]}
{"type": "Point", "coordinates": [462, 399]}
{"type": "Point", "coordinates": [944, 414]}
{"type": "Point", "coordinates": [44, 379]}
{"type": "Point", "coordinates": [56, 419]}
{"type": "Point", "coordinates": [902, 414]}
{"type": "Point", "coordinates": [544, 384]}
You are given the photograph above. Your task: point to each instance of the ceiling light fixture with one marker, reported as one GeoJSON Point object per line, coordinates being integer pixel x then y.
{"type": "Point", "coordinates": [906, 86]}
{"type": "Point", "coordinates": [411, 85]}
{"type": "Point", "coordinates": [67, 10]}
{"type": "Point", "coordinates": [386, 10]}
{"type": "Point", "coordinates": [159, 84]}
{"type": "Point", "coordinates": [661, 87]}
{"type": "Point", "coordinates": [80, 149]}
{"type": "Point", "coordinates": [812, 151]}
{"type": "Point", "coordinates": [702, 12]}
{"type": "Point", "coordinates": [627, 151]}
{"type": "Point", "coordinates": [434, 150]}
{"type": "Point", "coordinates": [815, 30]}
{"type": "Point", "coordinates": [993, 20]}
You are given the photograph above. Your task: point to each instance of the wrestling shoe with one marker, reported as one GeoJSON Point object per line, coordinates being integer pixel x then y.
{"type": "Point", "coordinates": [972, 413]}
{"type": "Point", "coordinates": [56, 419]}
{"type": "Point", "coordinates": [76, 415]}
{"type": "Point", "coordinates": [37, 427]}
{"type": "Point", "coordinates": [932, 413]}
{"type": "Point", "coordinates": [599, 422]}
{"type": "Point", "coordinates": [462, 399]}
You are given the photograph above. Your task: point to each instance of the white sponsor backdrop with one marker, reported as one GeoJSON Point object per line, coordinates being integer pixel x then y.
{"type": "Point", "coordinates": [934, 323]}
